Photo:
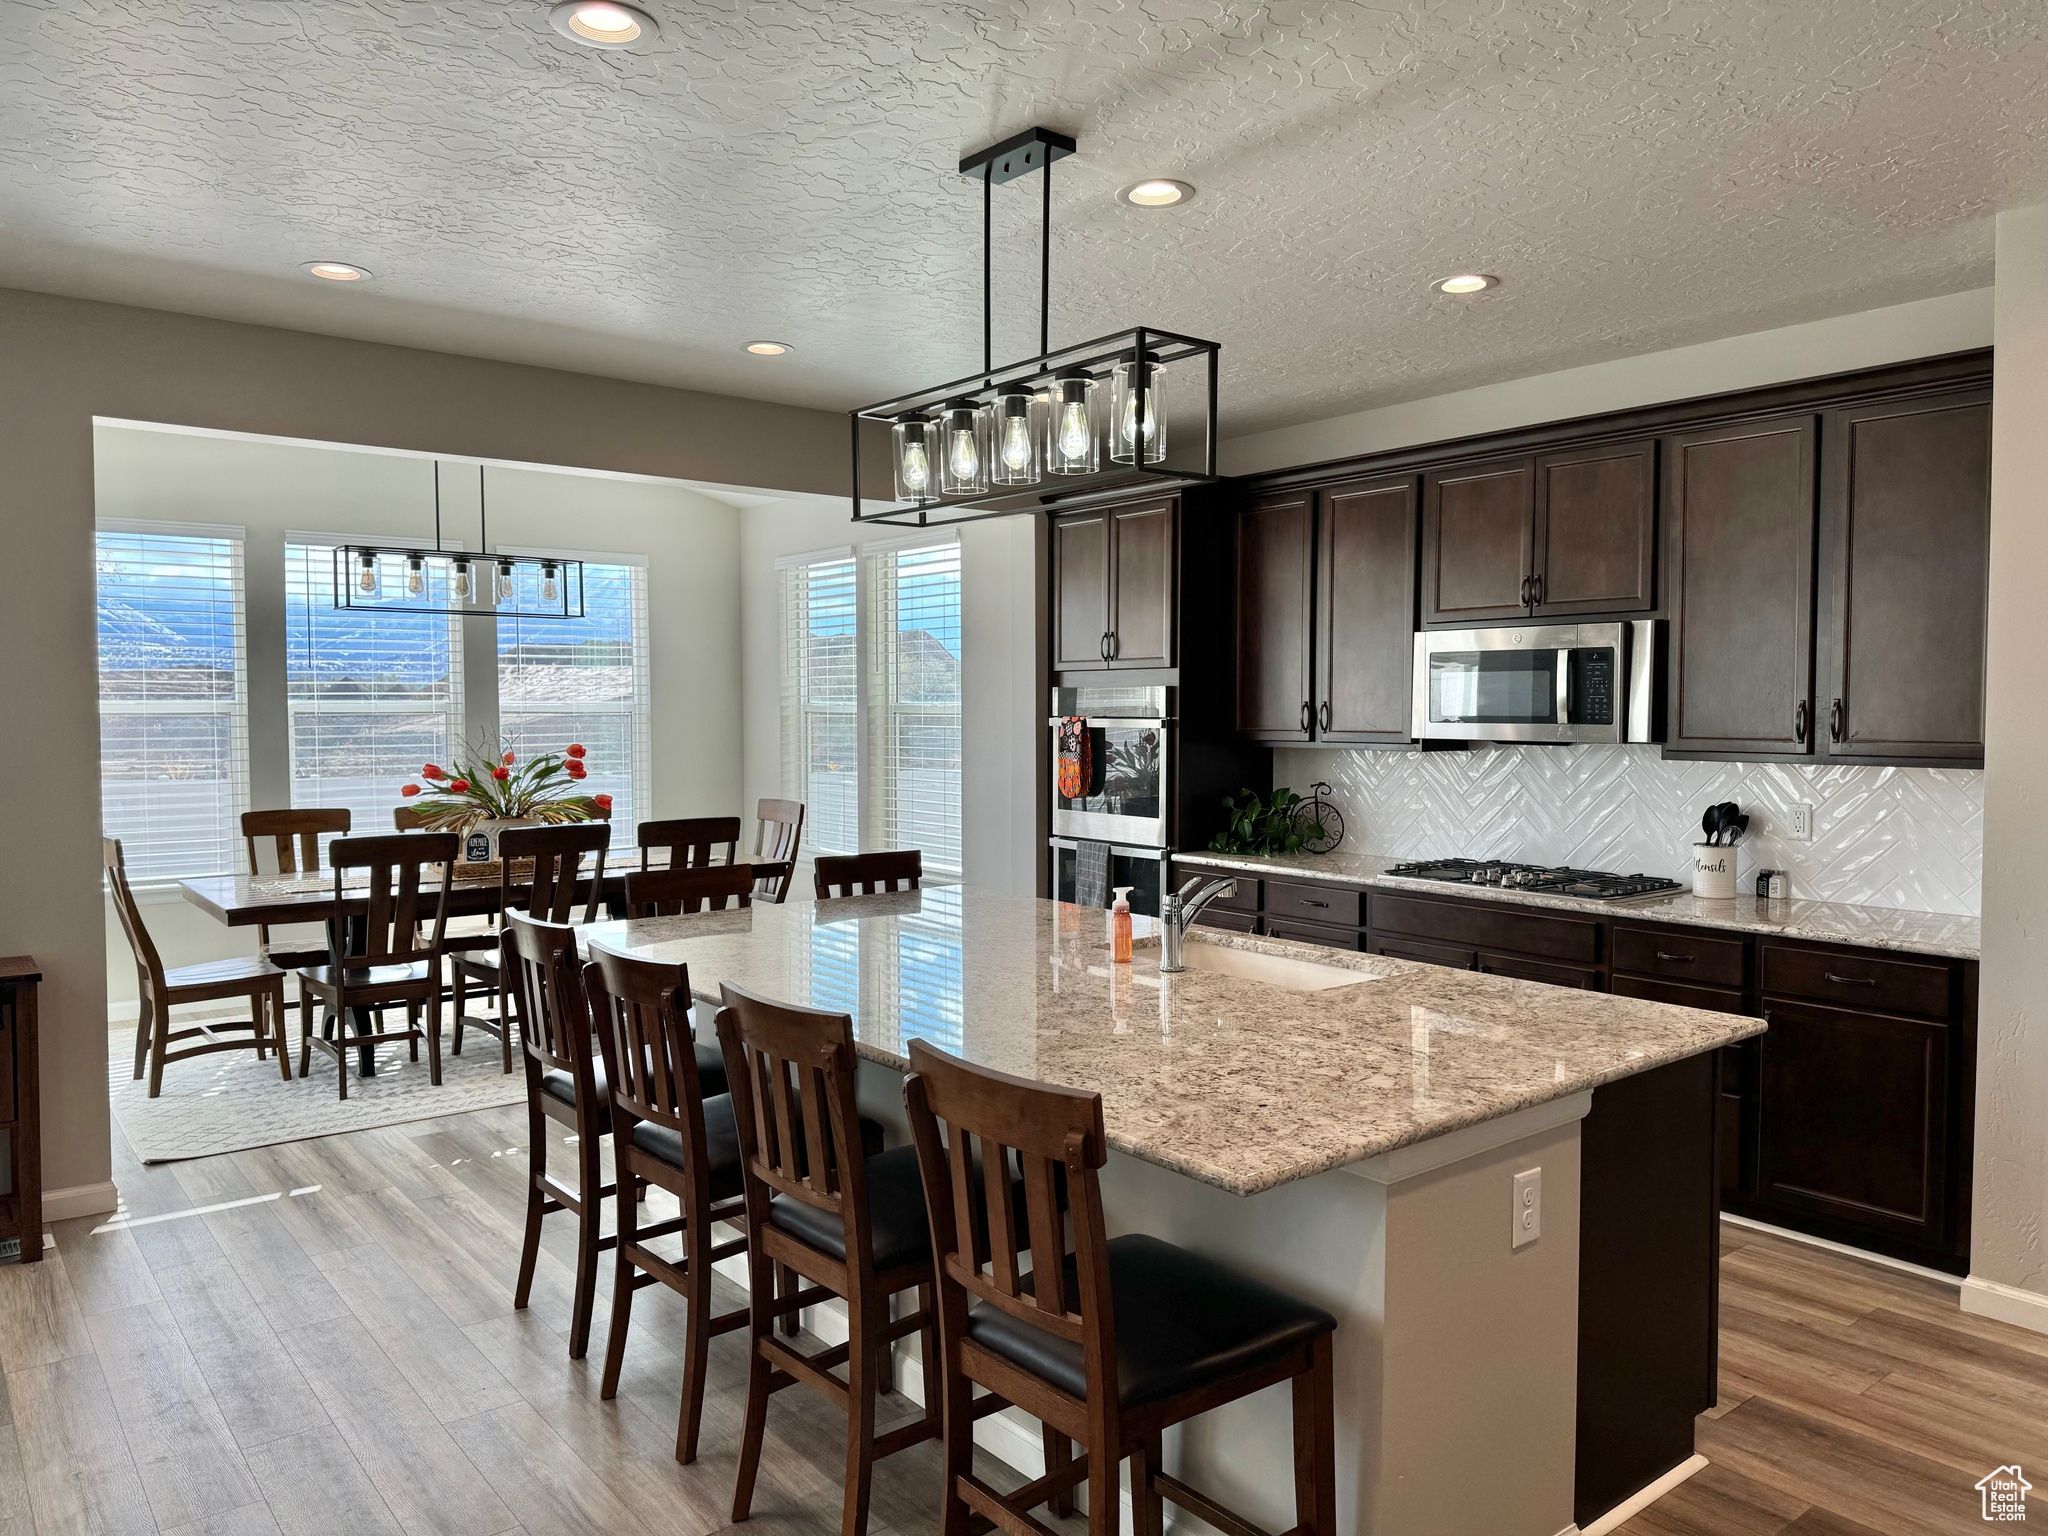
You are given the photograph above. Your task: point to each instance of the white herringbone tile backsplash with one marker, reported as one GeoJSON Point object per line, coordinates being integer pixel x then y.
{"type": "Point", "coordinates": [1911, 838]}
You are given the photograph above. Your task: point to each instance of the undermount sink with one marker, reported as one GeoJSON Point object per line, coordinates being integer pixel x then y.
{"type": "Point", "coordinates": [1273, 970]}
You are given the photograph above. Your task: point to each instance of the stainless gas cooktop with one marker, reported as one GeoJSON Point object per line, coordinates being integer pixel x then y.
{"type": "Point", "coordinates": [1498, 874]}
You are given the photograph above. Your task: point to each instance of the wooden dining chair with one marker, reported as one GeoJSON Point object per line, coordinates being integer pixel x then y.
{"type": "Point", "coordinates": [824, 1200]}
{"type": "Point", "coordinates": [1111, 1345]}
{"type": "Point", "coordinates": [406, 818]}
{"type": "Point", "coordinates": [549, 894]}
{"type": "Point", "coordinates": [564, 1083]}
{"type": "Point", "coordinates": [293, 837]}
{"type": "Point", "coordinates": [399, 964]}
{"type": "Point", "coordinates": [865, 874]}
{"type": "Point", "coordinates": [673, 1130]}
{"type": "Point", "coordinates": [683, 892]}
{"type": "Point", "coordinates": [778, 834]}
{"type": "Point", "coordinates": [159, 991]}
{"type": "Point", "coordinates": [691, 842]}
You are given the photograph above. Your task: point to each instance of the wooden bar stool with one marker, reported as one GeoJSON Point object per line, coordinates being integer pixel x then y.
{"type": "Point", "coordinates": [823, 1199]}
{"type": "Point", "coordinates": [159, 991]}
{"type": "Point", "coordinates": [1121, 1341]}
{"type": "Point", "coordinates": [865, 874]}
{"type": "Point", "coordinates": [548, 894]}
{"type": "Point", "coordinates": [565, 1083]}
{"type": "Point", "coordinates": [778, 834]}
{"type": "Point", "coordinates": [691, 841]}
{"type": "Point", "coordinates": [668, 1129]}
{"type": "Point", "coordinates": [396, 965]}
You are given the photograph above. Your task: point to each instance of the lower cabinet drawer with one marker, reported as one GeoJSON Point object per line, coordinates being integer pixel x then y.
{"type": "Point", "coordinates": [1316, 904]}
{"type": "Point", "coordinates": [1327, 934]}
{"type": "Point", "coordinates": [1428, 954]}
{"type": "Point", "coordinates": [1860, 980]}
{"type": "Point", "coordinates": [1657, 990]}
{"type": "Point", "coordinates": [1539, 970]}
{"type": "Point", "coordinates": [1236, 922]}
{"type": "Point", "coordinates": [1493, 928]}
{"type": "Point", "coordinates": [1679, 955]}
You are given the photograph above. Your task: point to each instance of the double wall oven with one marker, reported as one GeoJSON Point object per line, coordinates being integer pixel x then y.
{"type": "Point", "coordinates": [1112, 789]}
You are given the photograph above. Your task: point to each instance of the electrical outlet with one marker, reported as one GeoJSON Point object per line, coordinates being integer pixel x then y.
{"type": "Point", "coordinates": [1528, 1213]}
{"type": "Point", "coordinates": [1802, 824]}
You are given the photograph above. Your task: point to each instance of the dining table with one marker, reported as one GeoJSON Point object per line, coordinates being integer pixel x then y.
{"type": "Point", "coordinates": [244, 901]}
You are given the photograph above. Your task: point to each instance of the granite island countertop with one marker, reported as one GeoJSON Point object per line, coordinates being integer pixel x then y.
{"type": "Point", "coordinates": [1826, 922]}
{"type": "Point", "coordinates": [1241, 1084]}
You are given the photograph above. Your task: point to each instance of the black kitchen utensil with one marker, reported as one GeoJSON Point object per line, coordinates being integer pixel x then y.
{"type": "Point", "coordinates": [1732, 831]}
{"type": "Point", "coordinates": [1710, 822]}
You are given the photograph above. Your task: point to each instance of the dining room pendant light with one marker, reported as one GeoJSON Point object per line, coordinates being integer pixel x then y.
{"type": "Point", "coordinates": [444, 582]}
{"type": "Point", "coordinates": [989, 444]}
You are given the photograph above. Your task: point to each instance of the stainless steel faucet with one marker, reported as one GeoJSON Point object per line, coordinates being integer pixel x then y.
{"type": "Point", "coordinates": [1178, 910]}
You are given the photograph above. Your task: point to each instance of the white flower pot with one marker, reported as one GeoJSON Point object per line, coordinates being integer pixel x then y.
{"type": "Point", "coordinates": [480, 842]}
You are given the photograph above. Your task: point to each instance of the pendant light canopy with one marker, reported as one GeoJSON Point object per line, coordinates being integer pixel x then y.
{"type": "Point", "coordinates": [386, 578]}
{"type": "Point", "coordinates": [1015, 438]}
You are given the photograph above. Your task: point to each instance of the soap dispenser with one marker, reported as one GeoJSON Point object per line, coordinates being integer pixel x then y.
{"type": "Point", "coordinates": [1120, 926]}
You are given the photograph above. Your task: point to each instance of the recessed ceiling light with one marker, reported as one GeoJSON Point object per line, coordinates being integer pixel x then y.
{"type": "Point", "coordinates": [603, 23]}
{"type": "Point", "coordinates": [336, 271]}
{"type": "Point", "coordinates": [1465, 282]}
{"type": "Point", "coordinates": [1159, 192]}
{"type": "Point", "coordinates": [769, 348]}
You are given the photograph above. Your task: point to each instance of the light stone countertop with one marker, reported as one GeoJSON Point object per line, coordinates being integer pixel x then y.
{"type": "Point", "coordinates": [1238, 1083]}
{"type": "Point", "coordinates": [1826, 922]}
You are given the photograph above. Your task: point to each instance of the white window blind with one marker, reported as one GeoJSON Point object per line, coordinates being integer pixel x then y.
{"type": "Point", "coordinates": [914, 702]}
{"type": "Point", "coordinates": [931, 971]}
{"type": "Point", "coordinates": [372, 697]}
{"type": "Point", "coordinates": [585, 681]}
{"type": "Point", "coordinates": [174, 715]}
{"type": "Point", "coordinates": [821, 701]}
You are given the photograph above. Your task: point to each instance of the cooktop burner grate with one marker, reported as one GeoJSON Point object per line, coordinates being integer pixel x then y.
{"type": "Point", "coordinates": [1501, 874]}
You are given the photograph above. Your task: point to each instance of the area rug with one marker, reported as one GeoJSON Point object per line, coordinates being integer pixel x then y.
{"type": "Point", "coordinates": [230, 1101]}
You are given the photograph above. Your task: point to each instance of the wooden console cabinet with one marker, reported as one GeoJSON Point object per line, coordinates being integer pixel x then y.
{"type": "Point", "coordinates": [21, 1180]}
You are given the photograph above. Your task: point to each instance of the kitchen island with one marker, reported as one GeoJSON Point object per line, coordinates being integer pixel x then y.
{"type": "Point", "coordinates": [1349, 1127]}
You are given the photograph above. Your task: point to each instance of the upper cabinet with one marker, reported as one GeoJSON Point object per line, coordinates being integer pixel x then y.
{"type": "Point", "coordinates": [1551, 535]}
{"type": "Point", "coordinates": [1275, 605]}
{"type": "Point", "coordinates": [1905, 526]}
{"type": "Point", "coordinates": [1113, 576]}
{"type": "Point", "coordinates": [1740, 502]}
{"type": "Point", "coordinates": [1326, 613]}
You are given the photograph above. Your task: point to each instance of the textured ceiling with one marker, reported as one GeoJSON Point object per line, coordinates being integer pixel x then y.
{"type": "Point", "coordinates": [1640, 175]}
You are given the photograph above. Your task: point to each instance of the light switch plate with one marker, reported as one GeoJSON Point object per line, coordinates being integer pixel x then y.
{"type": "Point", "coordinates": [1528, 1212]}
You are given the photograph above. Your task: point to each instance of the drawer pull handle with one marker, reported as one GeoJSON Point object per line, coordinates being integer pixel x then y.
{"type": "Point", "coordinates": [1665, 954]}
{"type": "Point", "coordinates": [1850, 981]}
{"type": "Point", "coordinates": [1307, 903]}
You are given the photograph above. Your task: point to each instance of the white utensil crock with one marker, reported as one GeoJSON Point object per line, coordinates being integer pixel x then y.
{"type": "Point", "coordinates": [1713, 872]}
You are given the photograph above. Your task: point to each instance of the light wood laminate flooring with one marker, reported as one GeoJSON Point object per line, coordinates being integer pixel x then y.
{"type": "Point", "coordinates": [320, 1337]}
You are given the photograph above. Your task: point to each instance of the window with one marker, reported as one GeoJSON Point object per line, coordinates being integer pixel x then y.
{"type": "Point", "coordinates": [914, 694]}
{"type": "Point", "coordinates": [585, 680]}
{"type": "Point", "coordinates": [174, 714]}
{"type": "Point", "coordinates": [821, 700]}
{"type": "Point", "coordinates": [372, 697]}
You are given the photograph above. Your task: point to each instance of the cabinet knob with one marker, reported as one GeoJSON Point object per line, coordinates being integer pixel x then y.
{"type": "Point", "coordinates": [1536, 590]}
{"type": "Point", "coordinates": [1102, 648]}
{"type": "Point", "coordinates": [1525, 591]}
{"type": "Point", "coordinates": [1799, 722]}
{"type": "Point", "coordinates": [1836, 718]}
{"type": "Point", "coordinates": [1304, 717]}
{"type": "Point", "coordinates": [1323, 715]}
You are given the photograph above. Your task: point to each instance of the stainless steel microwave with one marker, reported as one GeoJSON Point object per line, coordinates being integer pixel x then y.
{"type": "Point", "coordinates": [1539, 683]}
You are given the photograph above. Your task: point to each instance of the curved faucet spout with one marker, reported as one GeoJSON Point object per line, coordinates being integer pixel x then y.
{"type": "Point", "coordinates": [1179, 910]}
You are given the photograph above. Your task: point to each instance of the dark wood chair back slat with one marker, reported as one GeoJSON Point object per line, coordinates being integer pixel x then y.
{"type": "Point", "coordinates": [691, 841]}
{"type": "Point", "coordinates": [673, 892]}
{"type": "Point", "coordinates": [778, 834]}
{"type": "Point", "coordinates": [406, 818]}
{"type": "Point", "coordinates": [642, 1012]}
{"type": "Point", "coordinates": [398, 864]}
{"type": "Point", "coordinates": [864, 874]}
{"type": "Point", "coordinates": [791, 1073]}
{"type": "Point", "coordinates": [293, 835]}
{"type": "Point", "coordinates": [149, 965]}
{"type": "Point", "coordinates": [956, 1109]}
{"type": "Point", "coordinates": [544, 987]}
{"type": "Point", "coordinates": [557, 854]}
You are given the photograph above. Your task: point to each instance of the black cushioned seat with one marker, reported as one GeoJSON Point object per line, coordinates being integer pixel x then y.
{"type": "Point", "coordinates": [557, 1084]}
{"type": "Point", "coordinates": [896, 1210]}
{"type": "Point", "coordinates": [721, 1146]}
{"type": "Point", "coordinates": [361, 976]}
{"type": "Point", "coordinates": [1182, 1322]}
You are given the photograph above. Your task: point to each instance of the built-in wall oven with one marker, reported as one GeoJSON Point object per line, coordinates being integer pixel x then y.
{"type": "Point", "coordinates": [1112, 793]}
{"type": "Point", "coordinates": [1539, 683]}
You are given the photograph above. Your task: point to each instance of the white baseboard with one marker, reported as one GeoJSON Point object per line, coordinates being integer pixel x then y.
{"type": "Point", "coordinates": [80, 1200]}
{"type": "Point", "coordinates": [1641, 1499]}
{"type": "Point", "coordinates": [2006, 1303]}
{"type": "Point", "coordinates": [1881, 1260]}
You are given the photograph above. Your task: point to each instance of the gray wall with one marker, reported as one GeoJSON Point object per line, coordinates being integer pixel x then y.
{"type": "Point", "coordinates": [65, 361]}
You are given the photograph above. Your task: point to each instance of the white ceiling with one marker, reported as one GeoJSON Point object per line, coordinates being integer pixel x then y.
{"type": "Point", "coordinates": [1640, 175]}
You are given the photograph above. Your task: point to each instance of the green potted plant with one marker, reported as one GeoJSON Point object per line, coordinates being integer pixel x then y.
{"type": "Point", "coordinates": [1255, 825]}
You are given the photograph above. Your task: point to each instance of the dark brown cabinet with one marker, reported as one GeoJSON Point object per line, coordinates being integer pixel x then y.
{"type": "Point", "coordinates": [1852, 1109]}
{"type": "Point", "coordinates": [1275, 601]}
{"type": "Point", "coordinates": [1740, 503]}
{"type": "Point", "coordinates": [1905, 556]}
{"type": "Point", "coordinates": [1479, 524]}
{"type": "Point", "coordinates": [1113, 588]}
{"type": "Point", "coordinates": [1365, 611]}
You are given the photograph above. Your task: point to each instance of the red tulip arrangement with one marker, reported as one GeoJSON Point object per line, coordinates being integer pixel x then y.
{"type": "Point", "coordinates": [456, 799]}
